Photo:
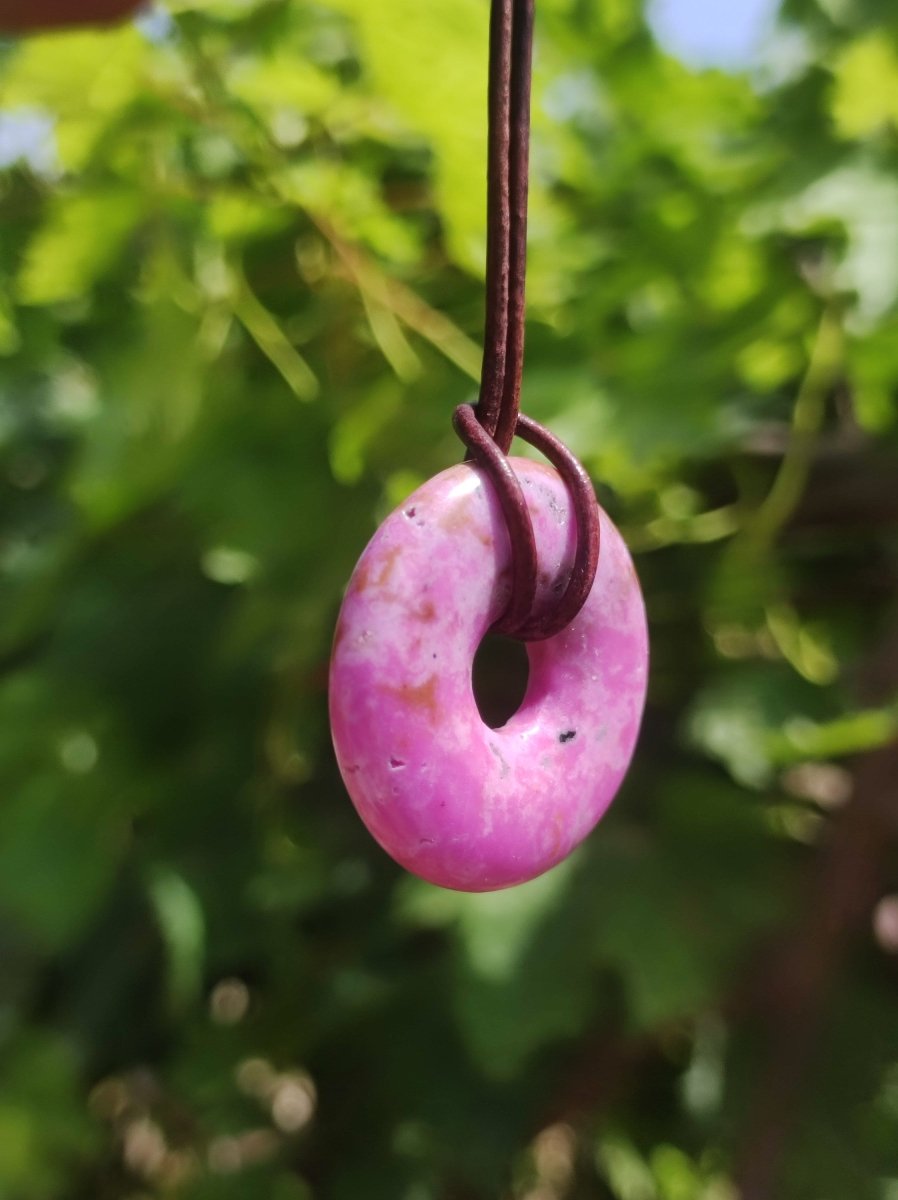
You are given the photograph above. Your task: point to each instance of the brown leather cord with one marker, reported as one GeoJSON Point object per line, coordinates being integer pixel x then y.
{"type": "Point", "coordinates": [498, 226]}
{"type": "Point", "coordinates": [586, 514]}
{"type": "Point", "coordinates": [519, 620]}
{"type": "Point", "coordinates": [484, 451]}
{"type": "Point", "coordinates": [518, 187]}
{"type": "Point", "coordinates": [487, 431]}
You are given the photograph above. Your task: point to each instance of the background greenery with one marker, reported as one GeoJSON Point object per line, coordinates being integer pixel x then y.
{"type": "Point", "coordinates": [242, 291]}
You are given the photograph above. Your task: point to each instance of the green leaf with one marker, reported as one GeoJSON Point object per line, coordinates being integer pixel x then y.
{"type": "Point", "coordinates": [181, 922]}
{"type": "Point", "coordinates": [44, 1129]}
{"type": "Point", "coordinates": [431, 65]}
{"type": "Point", "coordinates": [59, 852]}
{"type": "Point", "coordinates": [865, 92]}
{"type": "Point", "coordinates": [84, 79]}
{"type": "Point", "coordinates": [80, 240]}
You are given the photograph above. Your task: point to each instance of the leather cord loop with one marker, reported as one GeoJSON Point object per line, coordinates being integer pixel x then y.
{"type": "Point", "coordinates": [519, 619]}
{"type": "Point", "coordinates": [484, 451]}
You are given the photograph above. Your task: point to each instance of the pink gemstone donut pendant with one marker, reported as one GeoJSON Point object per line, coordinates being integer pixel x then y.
{"type": "Point", "coordinates": [455, 802]}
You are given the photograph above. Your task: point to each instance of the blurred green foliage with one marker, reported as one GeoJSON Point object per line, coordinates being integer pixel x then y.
{"type": "Point", "coordinates": [241, 294]}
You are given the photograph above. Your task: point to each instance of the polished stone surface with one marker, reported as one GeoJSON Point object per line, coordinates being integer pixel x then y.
{"type": "Point", "coordinates": [456, 802]}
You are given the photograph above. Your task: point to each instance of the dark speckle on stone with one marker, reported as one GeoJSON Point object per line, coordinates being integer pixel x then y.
{"type": "Point", "coordinates": [396, 763]}
{"type": "Point", "coordinates": [567, 736]}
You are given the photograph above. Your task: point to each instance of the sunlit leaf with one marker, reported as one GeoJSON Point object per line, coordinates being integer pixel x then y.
{"type": "Point", "coordinates": [79, 242]}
